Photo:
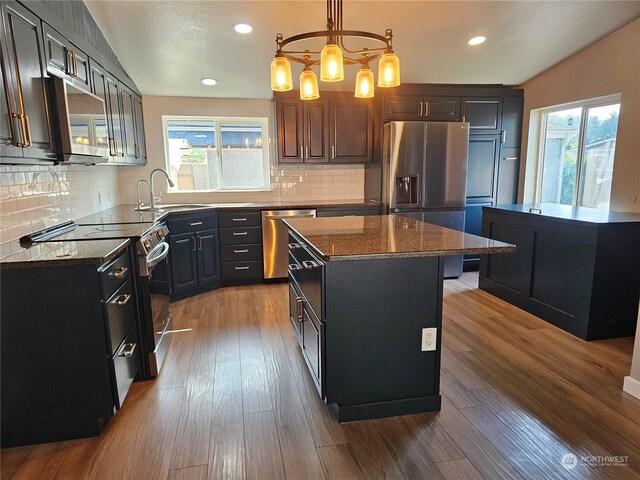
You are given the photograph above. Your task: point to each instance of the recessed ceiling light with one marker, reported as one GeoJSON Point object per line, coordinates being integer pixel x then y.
{"type": "Point", "coordinates": [209, 81]}
{"type": "Point", "coordinates": [243, 28]}
{"type": "Point", "coordinates": [476, 40]}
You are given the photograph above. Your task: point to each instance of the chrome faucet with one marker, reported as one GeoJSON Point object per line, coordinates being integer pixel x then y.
{"type": "Point", "coordinates": [139, 198]}
{"type": "Point", "coordinates": [153, 197]}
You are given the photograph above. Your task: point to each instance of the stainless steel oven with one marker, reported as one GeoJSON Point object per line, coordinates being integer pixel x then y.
{"type": "Point", "coordinates": [153, 250]}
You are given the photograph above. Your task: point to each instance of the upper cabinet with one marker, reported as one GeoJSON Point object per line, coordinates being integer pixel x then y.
{"type": "Point", "coordinates": [35, 45]}
{"type": "Point", "coordinates": [483, 114]}
{"type": "Point", "coordinates": [63, 59]}
{"type": "Point", "coordinates": [419, 107]}
{"type": "Point", "coordinates": [512, 122]}
{"type": "Point", "coordinates": [29, 133]}
{"type": "Point", "coordinates": [336, 129]}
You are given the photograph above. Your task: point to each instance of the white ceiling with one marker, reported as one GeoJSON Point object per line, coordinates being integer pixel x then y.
{"type": "Point", "coordinates": [167, 46]}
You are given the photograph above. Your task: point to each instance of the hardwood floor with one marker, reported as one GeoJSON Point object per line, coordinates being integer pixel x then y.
{"type": "Point", "coordinates": [235, 401]}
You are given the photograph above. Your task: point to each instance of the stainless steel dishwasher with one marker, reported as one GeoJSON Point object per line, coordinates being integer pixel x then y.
{"type": "Point", "coordinates": [274, 240]}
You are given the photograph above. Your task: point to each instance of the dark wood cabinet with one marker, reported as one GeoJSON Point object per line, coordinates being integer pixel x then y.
{"type": "Point", "coordinates": [63, 59]}
{"type": "Point", "coordinates": [508, 172]}
{"type": "Point", "coordinates": [482, 168]}
{"type": "Point", "coordinates": [194, 248]}
{"type": "Point", "coordinates": [141, 148]}
{"type": "Point", "coordinates": [573, 267]}
{"type": "Point", "coordinates": [68, 359]}
{"type": "Point", "coordinates": [337, 129]}
{"type": "Point", "coordinates": [184, 262]}
{"type": "Point", "coordinates": [511, 134]}
{"type": "Point", "coordinates": [418, 107]}
{"type": "Point", "coordinates": [351, 127]}
{"type": "Point", "coordinates": [24, 79]}
{"type": "Point", "coordinates": [241, 246]}
{"type": "Point", "coordinates": [106, 88]}
{"type": "Point", "coordinates": [132, 127]}
{"type": "Point", "coordinates": [484, 114]}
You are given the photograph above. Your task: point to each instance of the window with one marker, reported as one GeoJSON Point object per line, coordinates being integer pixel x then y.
{"type": "Point", "coordinates": [217, 154]}
{"type": "Point", "coordinates": [577, 149]}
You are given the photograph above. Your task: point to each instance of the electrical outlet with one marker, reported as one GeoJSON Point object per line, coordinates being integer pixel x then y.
{"type": "Point", "coordinates": [429, 337]}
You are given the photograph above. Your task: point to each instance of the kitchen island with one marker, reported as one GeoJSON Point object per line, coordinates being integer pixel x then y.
{"type": "Point", "coordinates": [366, 305]}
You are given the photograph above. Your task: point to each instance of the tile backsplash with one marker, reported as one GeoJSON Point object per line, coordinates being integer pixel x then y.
{"type": "Point", "coordinates": [37, 197]}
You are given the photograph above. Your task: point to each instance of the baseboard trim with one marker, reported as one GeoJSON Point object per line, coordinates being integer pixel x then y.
{"type": "Point", "coordinates": [631, 386]}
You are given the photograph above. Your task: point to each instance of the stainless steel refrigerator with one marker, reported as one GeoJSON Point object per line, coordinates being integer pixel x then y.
{"type": "Point", "coordinates": [424, 175]}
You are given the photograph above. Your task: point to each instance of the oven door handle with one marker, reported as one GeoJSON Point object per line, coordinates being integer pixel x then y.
{"type": "Point", "coordinates": [158, 254]}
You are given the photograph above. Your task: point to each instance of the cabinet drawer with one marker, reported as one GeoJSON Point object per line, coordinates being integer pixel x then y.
{"type": "Point", "coordinates": [240, 235]}
{"type": "Point", "coordinates": [125, 364]}
{"type": "Point", "coordinates": [241, 253]}
{"type": "Point", "coordinates": [239, 219]}
{"type": "Point", "coordinates": [238, 270]}
{"type": "Point", "coordinates": [193, 223]}
{"type": "Point", "coordinates": [114, 274]}
{"type": "Point", "coordinates": [121, 314]}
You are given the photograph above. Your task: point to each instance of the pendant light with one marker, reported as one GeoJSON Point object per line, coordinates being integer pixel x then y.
{"type": "Point", "coordinates": [364, 82]}
{"type": "Point", "coordinates": [331, 64]}
{"type": "Point", "coordinates": [308, 84]}
{"type": "Point", "coordinates": [281, 80]}
{"type": "Point", "coordinates": [389, 70]}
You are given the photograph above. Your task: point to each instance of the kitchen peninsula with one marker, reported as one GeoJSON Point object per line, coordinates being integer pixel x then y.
{"type": "Point", "coordinates": [366, 305]}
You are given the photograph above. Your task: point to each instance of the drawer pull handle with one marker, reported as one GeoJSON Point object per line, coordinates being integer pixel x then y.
{"type": "Point", "coordinates": [242, 268]}
{"type": "Point", "coordinates": [293, 246]}
{"type": "Point", "coordinates": [122, 299]}
{"type": "Point", "coordinates": [293, 267]}
{"type": "Point", "coordinates": [240, 234]}
{"type": "Point", "coordinates": [128, 350]}
{"type": "Point", "coordinates": [309, 264]}
{"type": "Point", "coordinates": [510, 158]}
{"type": "Point", "coordinates": [120, 272]}
{"type": "Point", "coordinates": [537, 211]}
{"type": "Point", "coordinates": [244, 250]}
{"type": "Point", "coordinates": [244, 219]}
{"type": "Point", "coordinates": [193, 224]}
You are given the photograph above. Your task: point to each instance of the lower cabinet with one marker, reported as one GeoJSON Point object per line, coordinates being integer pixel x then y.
{"type": "Point", "coordinates": [195, 254]}
{"type": "Point", "coordinates": [241, 250]}
{"type": "Point", "coordinates": [68, 354]}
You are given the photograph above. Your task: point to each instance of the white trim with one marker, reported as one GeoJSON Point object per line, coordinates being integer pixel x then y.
{"type": "Point", "coordinates": [631, 386]}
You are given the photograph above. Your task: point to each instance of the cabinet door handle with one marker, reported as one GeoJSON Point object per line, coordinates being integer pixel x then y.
{"type": "Point", "coordinates": [510, 158]}
{"type": "Point", "coordinates": [421, 107]}
{"type": "Point", "coordinates": [112, 146]}
{"type": "Point", "coordinates": [299, 314]}
{"type": "Point", "coordinates": [75, 64]}
{"type": "Point", "coordinates": [68, 68]}
{"type": "Point", "coordinates": [240, 234]}
{"type": "Point", "coordinates": [194, 224]}
{"type": "Point", "coordinates": [244, 250]}
{"type": "Point", "coordinates": [309, 264]}
{"type": "Point", "coordinates": [23, 135]}
{"type": "Point", "coordinates": [306, 152]}
{"type": "Point", "coordinates": [503, 136]}
{"type": "Point", "coordinates": [127, 350]}
{"type": "Point", "coordinates": [120, 272]}
{"type": "Point", "coordinates": [301, 152]}
{"type": "Point", "coordinates": [195, 249]}
{"type": "Point", "coordinates": [27, 129]}
{"type": "Point", "coordinates": [200, 243]}
{"type": "Point", "coordinates": [122, 299]}
{"type": "Point", "coordinates": [242, 268]}
{"type": "Point", "coordinates": [333, 152]}
{"type": "Point", "coordinates": [243, 219]}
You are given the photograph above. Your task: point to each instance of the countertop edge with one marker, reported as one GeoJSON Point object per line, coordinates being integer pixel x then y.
{"type": "Point", "coordinates": [563, 219]}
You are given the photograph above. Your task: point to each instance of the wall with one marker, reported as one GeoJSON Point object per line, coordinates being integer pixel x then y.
{"type": "Point", "coordinates": [36, 197]}
{"type": "Point", "coordinates": [288, 182]}
{"type": "Point", "coordinates": [611, 65]}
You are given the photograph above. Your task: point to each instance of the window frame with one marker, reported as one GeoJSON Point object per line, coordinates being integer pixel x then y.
{"type": "Point", "coordinates": [542, 138]}
{"type": "Point", "coordinates": [217, 122]}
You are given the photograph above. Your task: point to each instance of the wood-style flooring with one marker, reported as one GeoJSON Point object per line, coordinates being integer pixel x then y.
{"type": "Point", "coordinates": [235, 401]}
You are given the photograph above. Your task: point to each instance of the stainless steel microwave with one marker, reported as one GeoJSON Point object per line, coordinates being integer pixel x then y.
{"type": "Point", "coordinates": [80, 124]}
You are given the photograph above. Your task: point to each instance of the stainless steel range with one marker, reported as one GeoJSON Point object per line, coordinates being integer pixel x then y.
{"type": "Point", "coordinates": [152, 250]}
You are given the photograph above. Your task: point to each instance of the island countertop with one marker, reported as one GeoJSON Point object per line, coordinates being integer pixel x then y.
{"type": "Point", "coordinates": [388, 236]}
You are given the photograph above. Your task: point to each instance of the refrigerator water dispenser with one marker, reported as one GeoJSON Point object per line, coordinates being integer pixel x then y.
{"type": "Point", "coordinates": [407, 190]}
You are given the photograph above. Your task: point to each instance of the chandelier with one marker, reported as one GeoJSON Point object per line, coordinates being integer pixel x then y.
{"type": "Point", "coordinates": [332, 58]}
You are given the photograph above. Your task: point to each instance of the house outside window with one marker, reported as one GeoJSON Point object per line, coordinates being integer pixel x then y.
{"type": "Point", "coordinates": [217, 154]}
{"type": "Point", "coordinates": [577, 149]}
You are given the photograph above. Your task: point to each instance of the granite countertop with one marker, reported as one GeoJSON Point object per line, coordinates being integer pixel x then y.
{"type": "Point", "coordinates": [54, 254]}
{"type": "Point", "coordinates": [567, 212]}
{"type": "Point", "coordinates": [127, 214]}
{"type": "Point", "coordinates": [388, 236]}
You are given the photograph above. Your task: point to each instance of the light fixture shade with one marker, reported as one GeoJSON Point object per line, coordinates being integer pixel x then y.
{"type": "Point", "coordinates": [308, 85]}
{"type": "Point", "coordinates": [364, 83]}
{"type": "Point", "coordinates": [331, 64]}
{"type": "Point", "coordinates": [389, 70]}
{"type": "Point", "coordinates": [281, 80]}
